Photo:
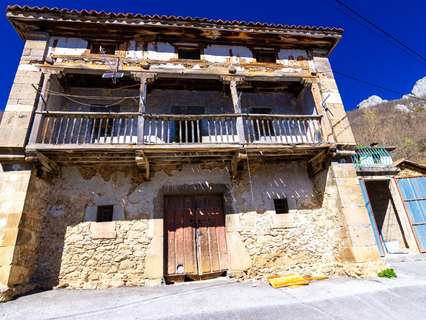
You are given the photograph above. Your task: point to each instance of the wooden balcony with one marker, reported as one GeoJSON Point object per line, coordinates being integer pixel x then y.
{"type": "Point", "coordinates": [60, 128]}
{"type": "Point", "coordinates": [92, 137]}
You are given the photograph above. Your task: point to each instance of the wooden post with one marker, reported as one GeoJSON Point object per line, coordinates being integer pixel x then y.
{"type": "Point", "coordinates": [142, 109]}
{"type": "Point", "coordinates": [41, 106]}
{"type": "Point", "coordinates": [237, 109]}
{"type": "Point", "coordinates": [145, 78]}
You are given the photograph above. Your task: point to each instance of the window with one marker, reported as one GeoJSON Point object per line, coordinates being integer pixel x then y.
{"type": "Point", "coordinates": [104, 213]}
{"type": "Point", "coordinates": [281, 205]}
{"type": "Point", "coordinates": [103, 48]}
{"type": "Point", "coordinates": [189, 53]}
{"type": "Point", "coordinates": [268, 56]}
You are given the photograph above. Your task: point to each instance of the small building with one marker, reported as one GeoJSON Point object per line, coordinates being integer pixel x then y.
{"type": "Point", "coordinates": [395, 196]}
{"type": "Point", "coordinates": [144, 149]}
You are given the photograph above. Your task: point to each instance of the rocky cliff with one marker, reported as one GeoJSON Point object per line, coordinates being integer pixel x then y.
{"type": "Point", "coordinates": [400, 122]}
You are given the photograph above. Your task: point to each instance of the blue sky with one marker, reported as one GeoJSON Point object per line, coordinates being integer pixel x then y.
{"type": "Point", "coordinates": [362, 53]}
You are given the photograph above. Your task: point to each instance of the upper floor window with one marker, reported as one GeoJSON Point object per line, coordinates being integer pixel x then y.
{"type": "Point", "coordinates": [265, 55]}
{"type": "Point", "coordinates": [103, 48]}
{"type": "Point", "coordinates": [189, 53]}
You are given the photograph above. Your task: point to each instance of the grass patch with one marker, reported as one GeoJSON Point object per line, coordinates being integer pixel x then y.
{"type": "Point", "coordinates": [387, 273]}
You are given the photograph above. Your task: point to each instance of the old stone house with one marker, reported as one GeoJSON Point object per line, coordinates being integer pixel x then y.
{"type": "Point", "coordinates": [138, 149]}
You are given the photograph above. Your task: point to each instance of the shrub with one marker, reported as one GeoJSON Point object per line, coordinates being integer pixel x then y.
{"type": "Point", "coordinates": [387, 273]}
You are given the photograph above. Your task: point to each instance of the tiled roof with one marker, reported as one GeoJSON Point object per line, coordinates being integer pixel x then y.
{"type": "Point", "coordinates": [164, 18]}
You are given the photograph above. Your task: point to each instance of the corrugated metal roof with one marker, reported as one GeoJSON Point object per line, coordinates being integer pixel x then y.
{"type": "Point", "coordinates": [165, 18]}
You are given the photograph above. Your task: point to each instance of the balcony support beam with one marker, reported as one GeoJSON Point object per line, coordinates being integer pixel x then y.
{"type": "Point", "coordinates": [145, 78]}
{"type": "Point", "coordinates": [236, 102]}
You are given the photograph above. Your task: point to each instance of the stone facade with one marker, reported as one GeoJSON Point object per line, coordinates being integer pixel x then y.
{"type": "Point", "coordinates": [74, 251]}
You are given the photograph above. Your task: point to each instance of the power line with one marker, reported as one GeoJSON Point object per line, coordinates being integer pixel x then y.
{"type": "Point", "coordinates": [382, 31]}
{"type": "Point", "coordinates": [354, 78]}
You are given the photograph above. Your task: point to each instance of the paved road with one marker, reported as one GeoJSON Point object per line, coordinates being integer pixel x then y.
{"type": "Point", "coordinates": [402, 298]}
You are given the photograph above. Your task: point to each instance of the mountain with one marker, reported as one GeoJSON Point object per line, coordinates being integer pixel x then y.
{"type": "Point", "coordinates": [400, 123]}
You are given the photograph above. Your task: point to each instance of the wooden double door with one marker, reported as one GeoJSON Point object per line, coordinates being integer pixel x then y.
{"type": "Point", "coordinates": [195, 236]}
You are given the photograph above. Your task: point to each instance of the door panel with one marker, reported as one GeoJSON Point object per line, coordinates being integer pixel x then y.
{"type": "Point", "coordinates": [413, 193]}
{"type": "Point", "coordinates": [213, 253]}
{"type": "Point", "coordinates": [181, 258]}
{"type": "Point", "coordinates": [196, 243]}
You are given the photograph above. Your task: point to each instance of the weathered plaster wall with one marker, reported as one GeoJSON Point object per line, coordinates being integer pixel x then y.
{"type": "Point", "coordinates": [129, 251]}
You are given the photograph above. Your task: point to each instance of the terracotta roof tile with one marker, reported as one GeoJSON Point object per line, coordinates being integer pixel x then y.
{"type": "Point", "coordinates": [219, 22]}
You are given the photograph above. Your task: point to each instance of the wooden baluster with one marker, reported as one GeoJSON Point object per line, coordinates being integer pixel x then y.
{"type": "Point", "coordinates": [309, 131]}
{"type": "Point", "coordinates": [112, 130]}
{"type": "Point", "coordinates": [124, 125]}
{"type": "Point", "coordinates": [85, 131]}
{"type": "Point", "coordinates": [52, 134]}
{"type": "Point", "coordinates": [59, 130]}
{"type": "Point", "coordinates": [99, 130]}
{"type": "Point", "coordinates": [215, 130]}
{"type": "Point", "coordinates": [132, 128]}
{"type": "Point", "coordinates": [45, 128]}
{"type": "Point", "coordinates": [162, 131]}
{"type": "Point", "coordinates": [72, 130]}
{"type": "Point", "coordinates": [79, 130]}
{"type": "Point", "coordinates": [208, 131]}
{"type": "Point", "coordinates": [225, 122]}
{"type": "Point", "coordinates": [120, 124]}
{"type": "Point", "coordinates": [274, 130]}
{"type": "Point", "coordinates": [182, 128]}
{"type": "Point", "coordinates": [256, 132]}
{"type": "Point", "coordinates": [198, 124]}
{"type": "Point", "coordinates": [156, 130]}
{"type": "Point", "coordinates": [93, 122]}
{"type": "Point", "coordinates": [305, 131]}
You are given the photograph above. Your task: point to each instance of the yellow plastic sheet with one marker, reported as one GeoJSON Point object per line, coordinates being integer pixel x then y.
{"type": "Point", "coordinates": [292, 280]}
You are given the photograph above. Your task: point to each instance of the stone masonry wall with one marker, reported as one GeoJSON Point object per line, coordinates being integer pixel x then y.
{"type": "Point", "coordinates": [74, 251]}
{"type": "Point", "coordinates": [89, 262]}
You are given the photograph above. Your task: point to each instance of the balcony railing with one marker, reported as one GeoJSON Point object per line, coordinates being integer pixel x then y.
{"type": "Point", "coordinates": [166, 129]}
{"type": "Point", "coordinates": [282, 129]}
{"type": "Point", "coordinates": [371, 157]}
{"type": "Point", "coordinates": [75, 128]}
{"type": "Point", "coordinates": [88, 128]}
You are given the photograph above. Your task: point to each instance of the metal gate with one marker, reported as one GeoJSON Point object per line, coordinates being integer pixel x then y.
{"type": "Point", "coordinates": [196, 243]}
{"type": "Point", "coordinates": [413, 193]}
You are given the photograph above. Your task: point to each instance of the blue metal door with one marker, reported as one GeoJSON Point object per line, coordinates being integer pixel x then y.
{"type": "Point", "coordinates": [413, 192]}
{"type": "Point", "coordinates": [376, 232]}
